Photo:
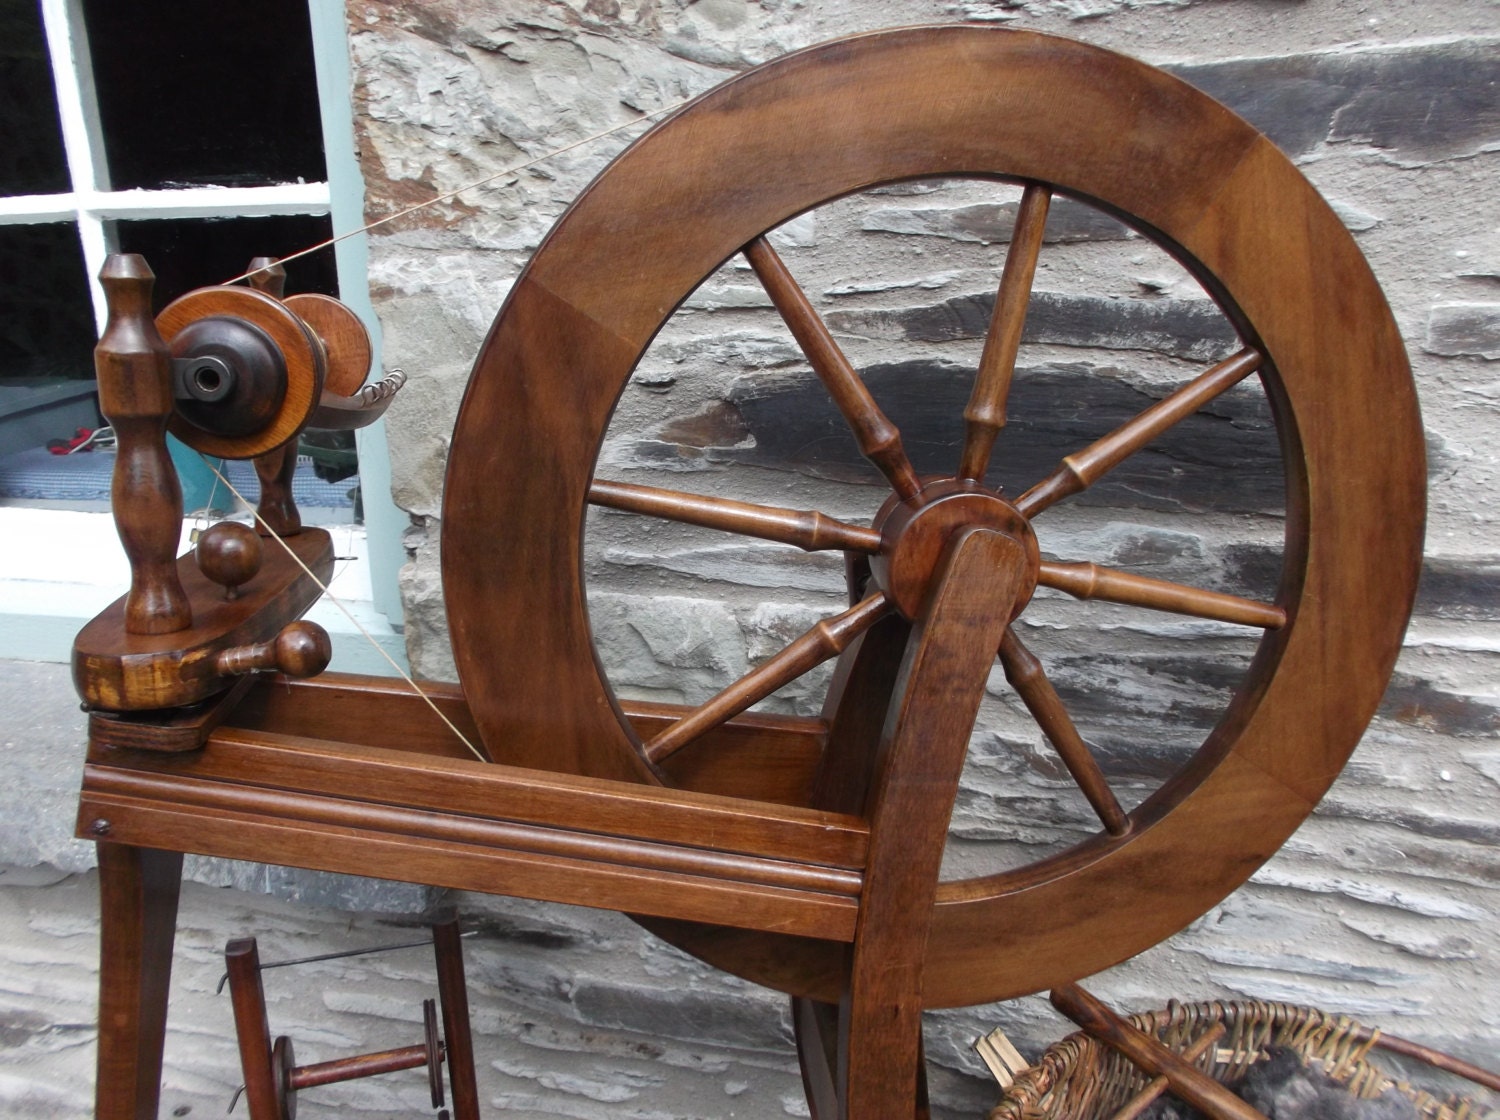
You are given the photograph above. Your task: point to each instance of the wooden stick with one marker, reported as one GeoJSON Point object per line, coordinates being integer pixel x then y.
{"type": "Point", "coordinates": [878, 439]}
{"type": "Point", "coordinates": [985, 414]}
{"type": "Point", "coordinates": [359, 1066]}
{"type": "Point", "coordinates": [1091, 581]}
{"type": "Point", "coordinates": [806, 529]}
{"type": "Point", "coordinates": [1144, 1099]}
{"type": "Point", "coordinates": [827, 639]}
{"type": "Point", "coordinates": [251, 1028]}
{"type": "Point", "coordinates": [1435, 1058]}
{"type": "Point", "coordinates": [1083, 468]}
{"type": "Point", "coordinates": [275, 469]}
{"type": "Point", "coordinates": [1029, 679]}
{"type": "Point", "coordinates": [1192, 1085]}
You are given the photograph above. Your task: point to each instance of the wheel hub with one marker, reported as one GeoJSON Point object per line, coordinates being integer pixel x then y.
{"type": "Point", "coordinates": [915, 535]}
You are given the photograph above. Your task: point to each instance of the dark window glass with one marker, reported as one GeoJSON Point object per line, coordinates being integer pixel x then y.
{"type": "Point", "coordinates": [46, 317]}
{"type": "Point", "coordinates": [187, 253]}
{"type": "Point", "coordinates": [206, 92]}
{"type": "Point", "coordinates": [32, 160]}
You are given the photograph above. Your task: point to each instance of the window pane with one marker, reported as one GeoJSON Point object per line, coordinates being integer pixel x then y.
{"type": "Point", "coordinates": [206, 92]}
{"type": "Point", "coordinates": [187, 253]}
{"type": "Point", "coordinates": [46, 317]}
{"type": "Point", "coordinates": [32, 160]}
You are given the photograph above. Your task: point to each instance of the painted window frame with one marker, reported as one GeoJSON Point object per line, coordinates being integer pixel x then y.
{"type": "Point", "coordinates": [91, 205]}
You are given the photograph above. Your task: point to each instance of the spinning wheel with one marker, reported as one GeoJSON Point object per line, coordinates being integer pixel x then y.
{"type": "Point", "coordinates": [1065, 120]}
{"type": "Point", "coordinates": [800, 853]}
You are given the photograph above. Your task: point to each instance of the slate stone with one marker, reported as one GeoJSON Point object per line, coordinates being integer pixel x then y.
{"type": "Point", "coordinates": [1421, 703]}
{"type": "Point", "coordinates": [1223, 459]}
{"type": "Point", "coordinates": [993, 223]}
{"type": "Point", "coordinates": [1184, 328]}
{"type": "Point", "coordinates": [1421, 103]}
{"type": "Point", "coordinates": [1143, 716]}
{"type": "Point", "coordinates": [1251, 569]}
{"type": "Point", "coordinates": [1461, 329]}
{"type": "Point", "coordinates": [1466, 589]}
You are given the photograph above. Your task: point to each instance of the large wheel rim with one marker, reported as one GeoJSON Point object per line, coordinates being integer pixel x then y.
{"type": "Point", "coordinates": [834, 119]}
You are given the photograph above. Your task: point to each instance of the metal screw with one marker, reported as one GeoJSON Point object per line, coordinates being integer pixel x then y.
{"type": "Point", "coordinates": [100, 827]}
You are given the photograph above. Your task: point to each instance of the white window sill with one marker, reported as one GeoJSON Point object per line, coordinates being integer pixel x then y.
{"type": "Point", "coordinates": [59, 568]}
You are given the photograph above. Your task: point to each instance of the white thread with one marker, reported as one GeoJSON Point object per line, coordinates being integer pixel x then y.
{"type": "Point", "coordinates": [511, 170]}
{"type": "Point", "coordinates": [334, 599]}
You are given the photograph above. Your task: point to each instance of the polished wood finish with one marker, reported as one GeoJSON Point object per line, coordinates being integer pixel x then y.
{"type": "Point", "coordinates": [830, 891]}
{"type": "Point", "coordinates": [344, 339]}
{"type": "Point", "coordinates": [826, 639]}
{"type": "Point", "coordinates": [772, 143]}
{"type": "Point", "coordinates": [475, 826]}
{"type": "Point", "coordinates": [1084, 468]}
{"type": "Point", "coordinates": [120, 671]}
{"type": "Point", "coordinates": [458, 1040]}
{"type": "Point", "coordinates": [300, 649]}
{"type": "Point", "coordinates": [263, 1095]}
{"type": "Point", "coordinates": [184, 728]}
{"type": "Point", "coordinates": [1195, 1087]}
{"type": "Point", "coordinates": [985, 414]}
{"type": "Point", "coordinates": [806, 529]}
{"type": "Point", "coordinates": [301, 352]}
{"type": "Point", "coordinates": [273, 1078]}
{"type": "Point", "coordinates": [877, 437]}
{"type": "Point", "coordinates": [920, 754]}
{"type": "Point", "coordinates": [135, 396]}
{"type": "Point", "coordinates": [138, 890]}
{"type": "Point", "coordinates": [1025, 673]}
{"type": "Point", "coordinates": [1092, 581]}
{"type": "Point", "coordinates": [229, 554]}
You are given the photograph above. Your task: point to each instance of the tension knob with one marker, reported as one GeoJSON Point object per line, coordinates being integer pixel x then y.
{"type": "Point", "coordinates": [302, 649]}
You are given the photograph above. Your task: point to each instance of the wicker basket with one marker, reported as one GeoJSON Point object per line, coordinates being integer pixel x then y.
{"type": "Point", "coordinates": [1081, 1079]}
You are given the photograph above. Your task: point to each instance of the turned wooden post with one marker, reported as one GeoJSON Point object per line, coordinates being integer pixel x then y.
{"type": "Point", "coordinates": [135, 395]}
{"type": "Point", "coordinates": [277, 510]}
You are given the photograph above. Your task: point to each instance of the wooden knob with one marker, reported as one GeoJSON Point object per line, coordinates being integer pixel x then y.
{"type": "Point", "coordinates": [229, 554]}
{"type": "Point", "coordinates": [302, 649]}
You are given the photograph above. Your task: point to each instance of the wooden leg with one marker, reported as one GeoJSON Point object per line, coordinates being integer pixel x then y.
{"type": "Point", "coordinates": [457, 1039]}
{"type": "Point", "coordinates": [138, 890]}
{"type": "Point", "coordinates": [816, 1027]}
{"type": "Point", "coordinates": [252, 1030]}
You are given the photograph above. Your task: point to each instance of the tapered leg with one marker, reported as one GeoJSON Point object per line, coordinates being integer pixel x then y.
{"type": "Point", "coordinates": [138, 890]}
{"type": "Point", "coordinates": [457, 1039]}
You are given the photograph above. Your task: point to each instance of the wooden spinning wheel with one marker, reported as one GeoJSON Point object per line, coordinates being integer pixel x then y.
{"type": "Point", "coordinates": [1063, 119]}
{"type": "Point", "coordinates": [801, 853]}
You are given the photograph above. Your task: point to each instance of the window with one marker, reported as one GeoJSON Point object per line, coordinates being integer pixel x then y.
{"type": "Point", "coordinates": [190, 133]}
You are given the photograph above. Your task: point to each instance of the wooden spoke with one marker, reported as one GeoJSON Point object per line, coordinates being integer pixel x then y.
{"type": "Point", "coordinates": [878, 439]}
{"type": "Point", "coordinates": [985, 414]}
{"type": "Point", "coordinates": [825, 640]}
{"type": "Point", "coordinates": [1090, 581]}
{"type": "Point", "coordinates": [807, 529]}
{"type": "Point", "coordinates": [1082, 469]}
{"type": "Point", "coordinates": [1029, 679]}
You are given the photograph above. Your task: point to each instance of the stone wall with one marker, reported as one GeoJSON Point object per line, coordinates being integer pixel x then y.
{"type": "Point", "coordinates": [1384, 904]}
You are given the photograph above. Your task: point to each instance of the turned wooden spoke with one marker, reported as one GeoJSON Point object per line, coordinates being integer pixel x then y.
{"type": "Point", "coordinates": [878, 439]}
{"type": "Point", "coordinates": [1090, 581]}
{"type": "Point", "coordinates": [1029, 679]}
{"type": "Point", "coordinates": [985, 414]}
{"type": "Point", "coordinates": [807, 529]}
{"type": "Point", "coordinates": [827, 639]}
{"type": "Point", "coordinates": [1083, 468]}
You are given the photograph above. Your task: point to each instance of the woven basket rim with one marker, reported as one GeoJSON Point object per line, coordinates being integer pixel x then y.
{"type": "Point", "coordinates": [1079, 1078]}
